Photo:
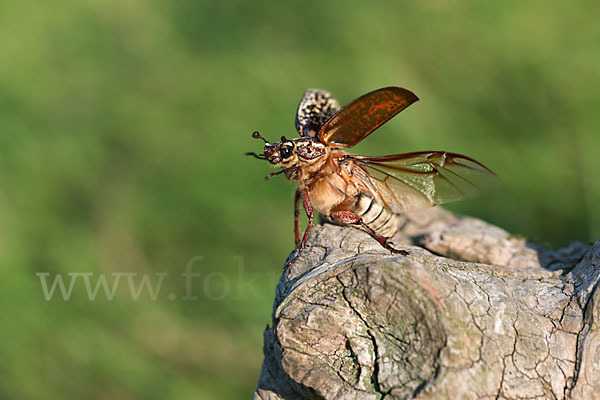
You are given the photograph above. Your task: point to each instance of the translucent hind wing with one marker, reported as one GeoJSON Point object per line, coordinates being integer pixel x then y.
{"type": "Point", "coordinates": [415, 181]}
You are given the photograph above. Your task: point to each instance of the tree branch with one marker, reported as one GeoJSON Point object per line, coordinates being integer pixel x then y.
{"type": "Point", "coordinates": [473, 313]}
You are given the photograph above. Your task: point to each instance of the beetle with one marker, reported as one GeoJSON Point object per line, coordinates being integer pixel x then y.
{"type": "Point", "coordinates": [369, 192]}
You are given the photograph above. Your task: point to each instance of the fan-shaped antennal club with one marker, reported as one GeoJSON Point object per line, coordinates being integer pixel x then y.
{"type": "Point", "coordinates": [256, 135]}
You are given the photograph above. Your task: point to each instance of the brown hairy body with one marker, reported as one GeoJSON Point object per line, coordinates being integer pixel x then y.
{"type": "Point", "coordinates": [335, 186]}
{"type": "Point", "coordinates": [328, 189]}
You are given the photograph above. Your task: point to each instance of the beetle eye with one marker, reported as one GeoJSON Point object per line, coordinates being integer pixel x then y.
{"type": "Point", "coordinates": [285, 152]}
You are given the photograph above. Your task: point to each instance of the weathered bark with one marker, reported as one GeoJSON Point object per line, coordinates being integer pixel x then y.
{"type": "Point", "coordinates": [472, 314]}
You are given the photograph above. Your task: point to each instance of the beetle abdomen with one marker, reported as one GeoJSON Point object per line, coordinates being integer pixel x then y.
{"type": "Point", "coordinates": [376, 215]}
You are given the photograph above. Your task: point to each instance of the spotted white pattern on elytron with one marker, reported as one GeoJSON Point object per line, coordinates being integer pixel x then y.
{"type": "Point", "coordinates": [316, 107]}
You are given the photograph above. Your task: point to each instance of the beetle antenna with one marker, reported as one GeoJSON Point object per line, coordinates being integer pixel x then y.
{"type": "Point", "coordinates": [256, 135]}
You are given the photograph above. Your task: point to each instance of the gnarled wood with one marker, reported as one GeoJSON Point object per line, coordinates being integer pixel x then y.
{"type": "Point", "coordinates": [475, 314]}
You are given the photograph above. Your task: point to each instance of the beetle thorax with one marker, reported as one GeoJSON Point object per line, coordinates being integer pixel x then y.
{"type": "Point", "coordinates": [309, 151]}
{"type": "Point", "coordinates": [309, 158]}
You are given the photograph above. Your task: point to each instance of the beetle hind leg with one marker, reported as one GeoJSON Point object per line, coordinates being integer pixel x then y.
{"type": "Point", "coordinates": [350, 218]}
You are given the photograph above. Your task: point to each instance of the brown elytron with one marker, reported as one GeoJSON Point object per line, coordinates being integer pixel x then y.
{"type": "Point", "coordinates": [359, 118]}
{"type": "Point", "coordinates": [370, 192]}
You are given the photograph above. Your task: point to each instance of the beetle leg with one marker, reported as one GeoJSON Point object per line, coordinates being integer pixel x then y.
{"type": "Point", "coordinates": [296, 213]}
{"type": "Point", "coordinates": [350, 218]}
{"type": "Point", "coordinates": [309, 212]}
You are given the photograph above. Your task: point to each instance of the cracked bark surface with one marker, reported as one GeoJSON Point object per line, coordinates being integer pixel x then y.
{"type": "Point", "coordinates": [470, 313]}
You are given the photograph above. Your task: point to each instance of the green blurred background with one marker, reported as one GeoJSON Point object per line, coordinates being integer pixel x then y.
{"type": "Point", "coordinates": [122, 132]}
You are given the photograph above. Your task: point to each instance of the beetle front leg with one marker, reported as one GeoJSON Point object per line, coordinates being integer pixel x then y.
{"type": "Point", "coordinates": [296, 213]}
{"type": "Point", "coordinates": [309, 212]}
{"type": "Point", "coordinates": [350, 218]}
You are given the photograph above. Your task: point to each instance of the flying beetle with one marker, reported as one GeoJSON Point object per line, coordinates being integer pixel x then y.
{"type": "Point", "coordinates": [368, 192]}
